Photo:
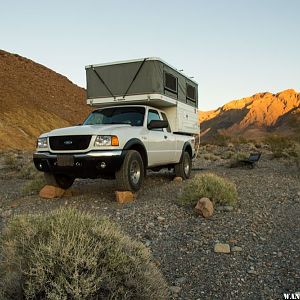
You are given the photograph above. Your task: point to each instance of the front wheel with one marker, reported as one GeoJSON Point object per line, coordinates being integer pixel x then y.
{"type": "Point", "coordinates": [60, 180]}
{"type": "Point", "coordinates": [131, 174]}
{"type": "Point", "coordinates": [184, 167]}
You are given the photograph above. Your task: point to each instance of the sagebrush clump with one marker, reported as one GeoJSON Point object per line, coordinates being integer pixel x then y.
{"type": "Point", "coordinates": [279, 145]}
{"type": "Point", "coordinates": [219, 190]}
{"type": "Point", "coordinates": [68, 254]}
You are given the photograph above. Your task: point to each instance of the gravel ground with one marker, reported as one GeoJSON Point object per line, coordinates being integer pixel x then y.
{"type": "Point", "coordinates": [265, 224]}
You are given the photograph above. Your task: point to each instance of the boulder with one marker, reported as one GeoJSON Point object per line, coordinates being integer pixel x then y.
{"type": "Point", "coordinates": [205, 207]}
{"type": "Point", "coordinates": [124, 197]}
{"type": "Point", "coordinates": [222, 248]}
{"type": "Point", "coordinates": [50, 192]}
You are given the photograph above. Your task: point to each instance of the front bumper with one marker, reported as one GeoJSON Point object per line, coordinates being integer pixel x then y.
{"type": "Point", "coordinates": [84, 165]}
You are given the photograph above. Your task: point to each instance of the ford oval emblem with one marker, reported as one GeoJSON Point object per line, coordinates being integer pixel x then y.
{"type": "Point", "coordinates": [68, 142]}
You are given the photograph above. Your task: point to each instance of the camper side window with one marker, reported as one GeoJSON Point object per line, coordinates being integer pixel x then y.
{"type": "Point", "coordinates": [190, 92]}
{"type": "Point", "coordinates": [191, 95]}
{"type": "Point", "coordinates": [170, 83]}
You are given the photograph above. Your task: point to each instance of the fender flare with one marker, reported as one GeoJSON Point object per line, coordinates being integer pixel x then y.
{"type": "Point", "coordinates": [135, 142]}
{"type": "Point", "coordinates": [186, 147]}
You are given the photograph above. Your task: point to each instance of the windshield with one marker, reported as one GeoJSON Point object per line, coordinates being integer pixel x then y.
{"type": "Point", "coordinates": [133, 116]}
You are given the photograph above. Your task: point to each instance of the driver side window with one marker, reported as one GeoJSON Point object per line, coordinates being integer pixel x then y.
{"type": "Point", "coordinates": [153, 115]}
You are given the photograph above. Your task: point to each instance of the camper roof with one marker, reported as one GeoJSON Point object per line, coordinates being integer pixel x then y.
{"type": "Point", "coordinates": [137, 60]}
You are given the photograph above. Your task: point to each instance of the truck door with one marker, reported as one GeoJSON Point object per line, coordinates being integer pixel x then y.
{"type": "Point", "coordinates": [159, 146]}
{"type": "Point", "coordinates": [170, 140]}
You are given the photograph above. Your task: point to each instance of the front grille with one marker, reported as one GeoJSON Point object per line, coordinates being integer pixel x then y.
{"type": "Point", "coordinates": [70, 142]}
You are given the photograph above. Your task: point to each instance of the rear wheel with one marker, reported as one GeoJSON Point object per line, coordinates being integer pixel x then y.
{"type": "Point", "coordinates": [131, 174]}
{"type": "Point", "coordinates": [184, 167]}
{"type": "Point", "coordinates": [61, 180]}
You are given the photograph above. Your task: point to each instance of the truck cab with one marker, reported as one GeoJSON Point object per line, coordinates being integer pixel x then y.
{"type": "Point", "coordinates": [119, 142]}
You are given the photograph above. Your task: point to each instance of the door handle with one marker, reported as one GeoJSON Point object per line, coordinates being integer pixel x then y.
{"type": "Point", "coordinates": [165, 137]}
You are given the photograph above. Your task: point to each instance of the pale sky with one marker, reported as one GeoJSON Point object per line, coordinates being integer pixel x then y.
{"type": "Point", "coordinates": [232, 48]}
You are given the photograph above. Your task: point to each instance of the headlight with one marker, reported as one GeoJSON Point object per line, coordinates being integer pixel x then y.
{"type": "Point", "coordinates": [106, 140]}
{"type": "Point", "coordinates": [42, 143]}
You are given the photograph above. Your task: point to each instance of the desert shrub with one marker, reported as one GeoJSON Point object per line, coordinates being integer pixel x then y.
{"type": "Point", "coordinates": [11, 160]}
{"type": "Point", "coordinates": [28, 171]}
{"type": "Point", "coordinates": [294, 153]}
{"type": "Point", "coordinates": [278, 145]}
{"type": "Point", "coordinates": [219, 190]}
{"type": "Point", "coordinates": [220, 140]}
{"type": "Point", "coordinates": [228, 154]}
{"type": "Point", "coordinates": [236, 158]}
{"type": "Point", "coordinates": [67, 254]}
{"type": "Point", "coordinates": [211, 156]}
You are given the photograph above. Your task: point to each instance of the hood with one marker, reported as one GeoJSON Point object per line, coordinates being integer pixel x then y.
{"type": "Point", "coordinates": [86, 130]}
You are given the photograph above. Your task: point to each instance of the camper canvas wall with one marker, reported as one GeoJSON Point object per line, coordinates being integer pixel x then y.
{"type": "Point", "coordinates": [148, 81]}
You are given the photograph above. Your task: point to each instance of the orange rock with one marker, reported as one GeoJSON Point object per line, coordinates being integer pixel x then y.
{"type": "Point", "coordinates": [124, 197]}
{"type": "Point", "coordinates": [50, 192]}
{"type": "Point", "coordinates": [205, 207]}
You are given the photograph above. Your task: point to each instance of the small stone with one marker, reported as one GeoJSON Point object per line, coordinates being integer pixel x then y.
{"type": "Point", "coordinates": [228, 208]}
{"type": "Point", "coordinates": [161, 219]}
{"type": "Point", "coordinates": [147, 243]}
{"type": "Point", "coordinates": [180, 280]}
{"type": "Point", "coordinates": [50, 192]}
{"type": "Point", "coordinates": [233, 241]}
{"type": "Point", "coordinates": [251, 271]}
{"type": "Point", "coordinates": [124, 197]}
{"type": "Point", "coordinates": [236, 249]}
{"type": "Point", "coordinates": [175, 289]}
{"type": "Point", "coordinates": [204, 207]}
{"type": "Point", "coordinates": [298, 193]}
{"type": "Point", "coordinates": [178, 179]}
{"type": "Point", "coordinates": [222, 248]}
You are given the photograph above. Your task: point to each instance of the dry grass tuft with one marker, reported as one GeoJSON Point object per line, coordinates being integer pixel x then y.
{"type": "Point", "coordinates": [219, 190]}
{"type": "Point", "coordinates": [68, 254]}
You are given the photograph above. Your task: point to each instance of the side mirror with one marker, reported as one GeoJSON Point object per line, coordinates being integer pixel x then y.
{"type": "Point", "coordinates": [158, 124]}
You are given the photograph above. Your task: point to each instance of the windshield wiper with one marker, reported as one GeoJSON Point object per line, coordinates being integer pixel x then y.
{"type": "Point", "coordinates": [120, 123]}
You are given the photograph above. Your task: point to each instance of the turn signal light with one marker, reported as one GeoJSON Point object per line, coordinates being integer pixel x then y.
{"type": "Point", "coordinates": [114, 140]}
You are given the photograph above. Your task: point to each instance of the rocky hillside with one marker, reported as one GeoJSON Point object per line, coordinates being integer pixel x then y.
{"type": "Point", "coordinates": [254, 117]}
{"type": "Point", "coordinates": [34, 99]}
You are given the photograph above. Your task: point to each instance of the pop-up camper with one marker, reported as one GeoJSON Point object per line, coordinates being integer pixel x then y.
{"type": "Point", "coordinates": [148, 81]}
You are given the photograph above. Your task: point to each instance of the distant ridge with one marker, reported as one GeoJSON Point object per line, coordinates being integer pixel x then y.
{"type": "Point", "coordinates": [254, 117]}
{"type": "Point", "coordinates": [35, 99]}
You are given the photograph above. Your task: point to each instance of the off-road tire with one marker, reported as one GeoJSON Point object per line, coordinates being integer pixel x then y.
{"type": "Point", "coordinates": [132, 165]}
{"type": "Point", "coordinates": [60, 180]}
{"type": "Point", "coordinates": [184, 167]}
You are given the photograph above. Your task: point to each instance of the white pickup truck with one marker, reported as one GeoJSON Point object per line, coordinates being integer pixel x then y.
{"type": "Point", "coordinates": [126, 135]}
{"type": "Point", "coordinates": [114, 142]}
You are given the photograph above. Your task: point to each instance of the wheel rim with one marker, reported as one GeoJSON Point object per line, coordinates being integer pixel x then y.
{"type": "Point", "coordinates": [135, 172]}
{"type": "Point", "coordinates": [186, 165]}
